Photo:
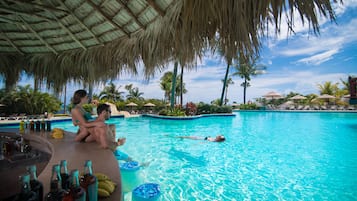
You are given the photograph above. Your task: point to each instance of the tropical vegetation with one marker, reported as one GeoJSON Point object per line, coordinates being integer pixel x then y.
{"type": "Point", "coordinates": [25, 100]}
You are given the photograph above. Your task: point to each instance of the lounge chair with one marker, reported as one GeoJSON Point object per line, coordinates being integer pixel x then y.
{"type": "Point", "coordinates": [333, 107]}
{"type": "Point", "coordinates": [307, 107]}
{"type": "Point", "coordinates": [323, 107]}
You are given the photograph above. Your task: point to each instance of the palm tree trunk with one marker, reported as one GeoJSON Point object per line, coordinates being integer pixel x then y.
{"type": "Point", "coordinates": [65, 99]}
{"type": "Point", "coordinates": [173, 87]}
{"type": "Point", "coordinates": [35, 84]}
{"type": "Point", "coordinates": [181, 91]}
{"type": "Point", "coordinates": [90, 92]}
{"type": "Point", "coordinates": [225, 96]}
{"type": "Point", "coordinates": [224, 85]}
{"type": "Point", "coordinates": [244, 90]}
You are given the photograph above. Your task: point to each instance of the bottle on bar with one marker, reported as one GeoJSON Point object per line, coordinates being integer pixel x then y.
{"type": "Point", "coordinates": [76, 192]}
{"type": "Point", "coordinates": [89, 182]}
{"type": "Point", "coordinates": [22, 126]}
{"type": "Point", "coordinates": [27, 125]}
{"type": "Point", "coordinates": [32, 125]}
{"type": "Point", "coordinates": [36, 185]}
{"type": "Point", "coordinates": [56, 193]}
{"type": "Point", "coordinates": [43, 124]}
{"type": "Point", "coordinates": [26, 194]}
{"type": "Point", "coordinates": [64, 175]}
{"type": "Point", "coordinates": [38, 126]}
{"type": "Point", "coordinates": [48, 124]}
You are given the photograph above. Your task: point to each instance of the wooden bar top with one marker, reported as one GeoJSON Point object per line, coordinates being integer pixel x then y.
{"type": "Point", "coordinates": [76, 154]}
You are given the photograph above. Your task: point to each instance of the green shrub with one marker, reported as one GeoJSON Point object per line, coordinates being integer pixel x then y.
{"type": "Point", "coordinates": [211, 109]}
{"type": "Point", "coordinates": [252, 106]}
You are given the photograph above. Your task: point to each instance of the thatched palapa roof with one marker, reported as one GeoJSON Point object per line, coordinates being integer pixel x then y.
{"type": "Point", "coordinates": [92, 40]}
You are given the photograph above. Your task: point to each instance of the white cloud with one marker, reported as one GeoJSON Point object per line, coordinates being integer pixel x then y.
{"type": "Point", "coordinates": [319, 58]}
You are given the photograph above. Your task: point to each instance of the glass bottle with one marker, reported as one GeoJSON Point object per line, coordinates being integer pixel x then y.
{"type": "Point", "coordinates": [43, 124]}
{"type": "Point", "coordinates": [22, 126]}
{"type": "Point", "coordinates": [38, 125]}
{"type": "Point", "coordinates": [36, 185]}
{"type": "Point", "coordinates": [48, 125]}
{"type": "Point", "coordinates": [64, 175]}
{"type": "Point", "coordinates": [76, 193]}
{"type": "Point", "coordinates": [27, 126]}
{"type": "Point", "coordinates": [89, 182]}
{"type": "Point", "coordinates": [32, 125]}
{"type": "Point", "coordinates": [26, 194]}
{"type": "Point", "coordinates": [56, 193]}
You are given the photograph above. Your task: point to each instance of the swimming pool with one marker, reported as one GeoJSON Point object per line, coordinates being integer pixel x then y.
{"type": "Point", "coordinates": [267, 156]}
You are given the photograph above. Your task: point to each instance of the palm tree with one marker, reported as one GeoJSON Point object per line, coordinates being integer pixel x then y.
{"type": "Point", "coordinates": [133, 93]}
{"type": "Point", "coordinates": [227, 83]}
{"type": "Point", "coordinates": [328, 88]}
{"type": "Point", "coordinates": [111, 93]}
{"type": "Point", "coordinates": [165, 84]}
{"type": "Point", "coordinates": [245, 68]}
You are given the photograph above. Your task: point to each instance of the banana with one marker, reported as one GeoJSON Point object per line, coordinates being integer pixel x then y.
{"type": "Point", "coordinates": [101, 176]}
{"type": "Point", "coordinates": [103, 192]}
{"type": "Point", "coordinates": [112, 182]}
{"type": "Point", "coordinates": [111, 186]}
{"type": "Point", "coordinates": [106, 186]}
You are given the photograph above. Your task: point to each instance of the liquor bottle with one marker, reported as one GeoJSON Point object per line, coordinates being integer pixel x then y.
{"type": "Point", "coordinates": [48, 125]}
{"type": "Point", "coordinates": [36, 185]}
{"type": "Point", "coordinates": [43, 125]}
{"type": "Point", "coordinates": [89, 182]}
{"type": "Point", "coordinates": [56, 193]}
{"type": "Point", "coordinates": [27, 126]}
{"type": "Point", "coordinates": [38, 126]}
{"type": "Point", "coordinates": [26, 194]}
{"type": "Point", "coordinates": [64, 175]}
{"type": "Point", "coordinates": [32, 125]}
{"type": "Point", "coordinates": [76, 193]}
{"type": "Point", "coordinates": [22, 127]}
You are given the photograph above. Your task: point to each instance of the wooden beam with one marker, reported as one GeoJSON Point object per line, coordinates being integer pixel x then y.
{"type": "Point", "coordinates": [9, 41]}
{"type": "Point", "coordinates": [96, 8]}
{"type": "Point", "coordinates": [69, 32]}
{"type": "Point", "coordinates": [131, 13]}
{"type": "Point", "coordinates": [156, 7]}
{"type": "Point", "coordinates": [30, 15]}
{"type": "Point", "coordinates": [40, 6]}
{"type": "Point", "coordinates": [80, 21]}
{"type": "Point", "coordinates": [38, 36]}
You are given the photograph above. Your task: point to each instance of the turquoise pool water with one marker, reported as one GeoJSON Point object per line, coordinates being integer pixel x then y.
{"type": "Point", "coordinates": [267, 156]}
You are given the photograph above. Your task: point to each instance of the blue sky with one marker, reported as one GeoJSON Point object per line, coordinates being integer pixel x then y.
{"type": "Point", "coordinates": [297, 63]}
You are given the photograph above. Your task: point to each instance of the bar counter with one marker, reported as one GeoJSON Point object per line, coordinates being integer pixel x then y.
{"type": "Point", "coordinates": [76, 154]}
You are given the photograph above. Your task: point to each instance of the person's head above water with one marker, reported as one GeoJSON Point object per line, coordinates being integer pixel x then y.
{"type": "Point", "coordinates": [220, 138]}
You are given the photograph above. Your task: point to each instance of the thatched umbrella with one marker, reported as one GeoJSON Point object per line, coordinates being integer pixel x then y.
{"type": "Point", "coordinates": [81, 41]}
{"type": "Point", "coordinates": [149, 105]}
{"type": "Point", "coordinates": [272, 95]}
{"type": "Point", "coordinates": [298, 97]}
{"type": "Point", "coordinates": [131, 104]}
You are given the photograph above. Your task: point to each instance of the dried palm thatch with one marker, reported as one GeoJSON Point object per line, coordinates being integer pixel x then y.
{"type": "Point", "coordinates": [93, 40]}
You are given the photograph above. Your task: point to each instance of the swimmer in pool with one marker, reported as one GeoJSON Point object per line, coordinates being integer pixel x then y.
{"type": "Point", "coordinates": [218, 138]}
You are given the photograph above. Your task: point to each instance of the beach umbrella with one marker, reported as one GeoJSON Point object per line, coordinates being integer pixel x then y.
{"type": "Point", "coordinates": [273, 95]}
{"type": "Point", "coordinates": [326, 96]}
{"type": "Point", "coordinates": [149, 105]}
{"type": "Point", "coordinates": [131, 104]}
{"type": "Point", "coordinates": [298, 97]}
